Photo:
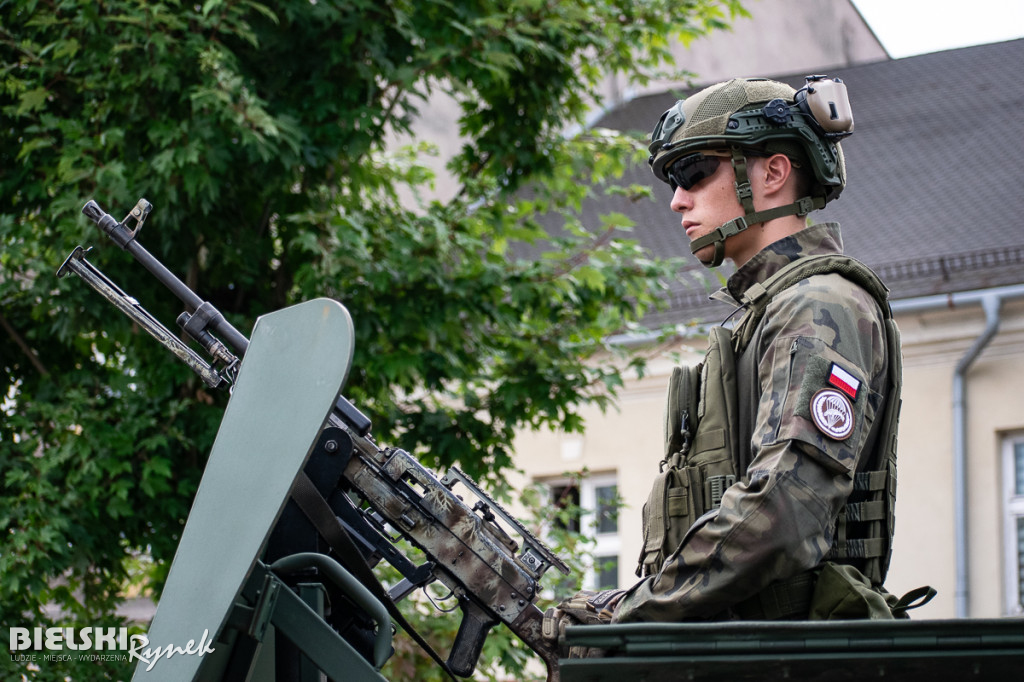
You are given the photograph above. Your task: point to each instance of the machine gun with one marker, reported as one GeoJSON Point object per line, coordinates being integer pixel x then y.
{"type": "Point", "coordinates": [349, 496]}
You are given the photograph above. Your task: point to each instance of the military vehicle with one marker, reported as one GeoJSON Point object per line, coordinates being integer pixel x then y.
{"type": "Point", "coordinates": [274, 571]}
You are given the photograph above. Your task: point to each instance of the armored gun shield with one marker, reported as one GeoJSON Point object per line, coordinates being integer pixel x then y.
{"type": "Point", "coordinates": [294, 369]}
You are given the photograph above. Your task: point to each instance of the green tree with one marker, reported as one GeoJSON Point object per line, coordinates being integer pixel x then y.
{"type": "Point", "coordinates": [258, 133]}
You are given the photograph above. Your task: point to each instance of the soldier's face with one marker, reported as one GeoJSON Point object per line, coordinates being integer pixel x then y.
{"type": "Point", "coordinates": [708, 204]}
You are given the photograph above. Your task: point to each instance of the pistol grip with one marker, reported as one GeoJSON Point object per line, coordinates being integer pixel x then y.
{"type": "Point", "coordinates": [469, 641]}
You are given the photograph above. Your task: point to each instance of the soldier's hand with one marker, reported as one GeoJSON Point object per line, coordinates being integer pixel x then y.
{"type": "Point", "coordinates": [586, 607]}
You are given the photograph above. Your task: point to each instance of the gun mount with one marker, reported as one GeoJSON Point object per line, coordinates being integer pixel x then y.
{"type": "Point", "coordinates": [297, 499]}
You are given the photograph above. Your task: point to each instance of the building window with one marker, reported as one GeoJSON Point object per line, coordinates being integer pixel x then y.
{"type": "Point", "coordinates": [595, 500]}
{"type": "Point", "coordinates": [1013, 477]}
{"type": "Point", "coordinates": [566, 497]}
{"type": "Point", "coordinates": [606, 509]}
{"type": "Point", "coordinates": [606, 572]}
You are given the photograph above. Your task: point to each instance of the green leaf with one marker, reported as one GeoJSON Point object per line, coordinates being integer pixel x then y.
{"type": "Point", "coordinates": [32, 100]}
{"type": "Point", "coordinates": [590, 277]}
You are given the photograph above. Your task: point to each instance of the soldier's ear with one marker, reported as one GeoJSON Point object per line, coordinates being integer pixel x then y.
{"type": "Point", "coordinates": [775, 171]}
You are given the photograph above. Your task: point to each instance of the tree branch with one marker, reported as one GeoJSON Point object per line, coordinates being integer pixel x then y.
{"type": "Point", "coordinates": [33, 358]}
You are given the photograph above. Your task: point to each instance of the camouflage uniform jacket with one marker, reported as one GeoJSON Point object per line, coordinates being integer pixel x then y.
{"type": "Point", "coordinates": [777, 521]}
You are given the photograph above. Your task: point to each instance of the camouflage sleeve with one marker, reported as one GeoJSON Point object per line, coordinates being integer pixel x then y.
{"type": "Point", "coordinates": [778, 519]}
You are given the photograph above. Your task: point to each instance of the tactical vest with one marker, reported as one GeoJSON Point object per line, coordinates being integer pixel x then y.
{"type": "Point", "coordinates": [704, 454]}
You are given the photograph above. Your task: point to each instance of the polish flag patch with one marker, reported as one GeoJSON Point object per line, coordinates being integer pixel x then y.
{"type": "Point", "coordinates": [844, 381]}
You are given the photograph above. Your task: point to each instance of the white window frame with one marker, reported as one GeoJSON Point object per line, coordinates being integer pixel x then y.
{"type": "Point", "coordinates": [605, 544]}
{"type": "Point", "coordinates": [1013, 509]}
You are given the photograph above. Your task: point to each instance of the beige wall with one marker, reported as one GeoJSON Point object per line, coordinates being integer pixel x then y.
{"type": "Point", "coordinates": [628, 442]}
{"type": "Point", "coordinates": [924, 545]}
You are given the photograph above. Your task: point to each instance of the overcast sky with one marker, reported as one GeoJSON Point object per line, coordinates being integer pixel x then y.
{"type": "Point", "coordinates": [909, 27]}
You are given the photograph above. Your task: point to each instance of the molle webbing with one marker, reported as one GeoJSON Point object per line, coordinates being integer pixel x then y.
{"type": "Point", "coordinates": [703, 454]}
{"type": "Point", "coordinates": [865, 526]}
{"type": "Point", "coordinates": [700, 441]}
{"type": "Point", "coordinates": [674, 497]}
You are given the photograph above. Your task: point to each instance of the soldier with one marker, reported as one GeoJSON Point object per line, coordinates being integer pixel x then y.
{"type": "Point", "coordinates": [760, 495]}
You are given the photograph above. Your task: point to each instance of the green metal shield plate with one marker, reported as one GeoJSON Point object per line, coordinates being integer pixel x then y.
{"type": "Point", "coordinates": [295, 366]}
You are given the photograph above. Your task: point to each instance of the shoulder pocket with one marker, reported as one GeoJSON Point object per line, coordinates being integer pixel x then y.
{"type": "Point", "coordinates": [816, 408]}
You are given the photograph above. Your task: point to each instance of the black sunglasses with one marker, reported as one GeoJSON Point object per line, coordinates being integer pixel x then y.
{"type": "Point", "coordinates": [689, 170]}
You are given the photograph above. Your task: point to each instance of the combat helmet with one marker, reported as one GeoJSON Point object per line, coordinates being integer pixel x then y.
{"type": "Point", "coordinates": [757, 116]}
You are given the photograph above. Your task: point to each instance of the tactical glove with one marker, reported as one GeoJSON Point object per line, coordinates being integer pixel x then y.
{"type": "Point", "coordinates": [586, 607]}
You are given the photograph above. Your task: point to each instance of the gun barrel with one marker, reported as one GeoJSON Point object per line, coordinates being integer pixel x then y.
{"type": "Point", "coordinates": [125, 238]}
{"type": "Point", "coordinates": [92, 276]}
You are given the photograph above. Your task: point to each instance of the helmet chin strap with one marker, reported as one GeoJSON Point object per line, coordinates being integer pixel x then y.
{"type": "Point", "coordinates": [750, 217]}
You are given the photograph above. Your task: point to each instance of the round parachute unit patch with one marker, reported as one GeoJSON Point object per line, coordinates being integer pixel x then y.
{"type": "Point", "coordinates": [832, 413]}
